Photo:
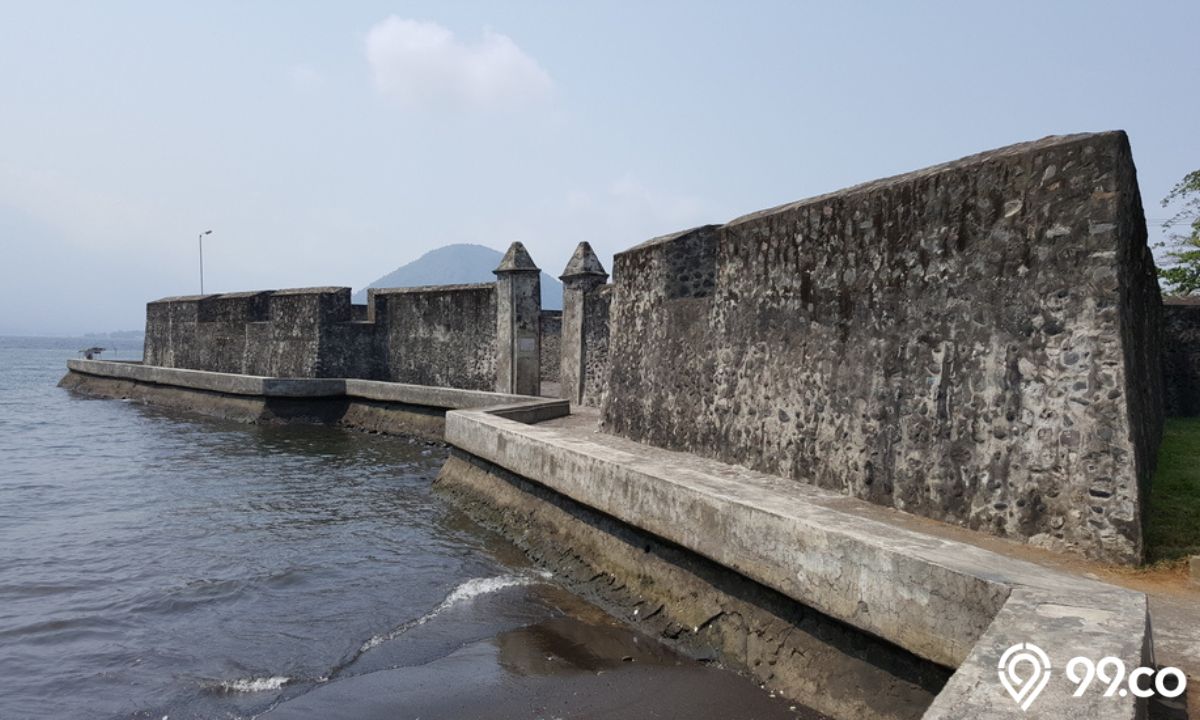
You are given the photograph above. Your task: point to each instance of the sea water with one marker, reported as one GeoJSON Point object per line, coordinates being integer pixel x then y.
{"type": "Point", "coordinates": [158, 564]}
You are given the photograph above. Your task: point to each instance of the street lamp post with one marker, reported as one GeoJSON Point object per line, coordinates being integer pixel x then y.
{"type": "Point", "coordinates": [201, 239]}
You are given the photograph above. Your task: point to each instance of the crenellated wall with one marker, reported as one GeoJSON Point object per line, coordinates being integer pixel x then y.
{"type": "Point", "coordinates": [444, 336]}
{"type": "Point", "coordinates": [977, 342]}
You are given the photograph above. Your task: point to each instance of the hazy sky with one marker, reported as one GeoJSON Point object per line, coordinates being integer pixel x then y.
{"type": "Point", "coordinates": [327, 143]}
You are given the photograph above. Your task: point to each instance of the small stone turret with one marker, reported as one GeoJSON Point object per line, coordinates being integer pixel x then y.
{"type": "Point", "coordinates": [583, 267]}
{"type": "Point", "coordinates": [518, 314]}
{"type": "Point", "coordinates": [582, 276]}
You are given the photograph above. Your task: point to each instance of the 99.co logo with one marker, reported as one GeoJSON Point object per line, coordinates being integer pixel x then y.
{"type": "Point", "coordinates": [1024, 670]}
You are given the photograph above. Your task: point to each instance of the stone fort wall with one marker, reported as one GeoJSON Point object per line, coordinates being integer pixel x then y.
{"type": "Point", "coordinates": [551, 345]}
{"type": "Point", "coordinates": [977, 342]}
{"type": "Point", "coordinates": [594, 354]}
{"type": "Point", "coordinates": [443, 336]}
{"type": "Point", "coordinates": [446, 336]}
{"type": "Point", "coordinates": [1181, 355]}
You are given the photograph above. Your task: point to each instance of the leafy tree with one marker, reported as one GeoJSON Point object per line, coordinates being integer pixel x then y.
{"type": "Point", "coordinates": [1183, 277]}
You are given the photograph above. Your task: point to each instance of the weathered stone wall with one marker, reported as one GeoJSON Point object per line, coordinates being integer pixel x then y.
{"type": "Point", "coordinates": [275, 332]}
{"type": "Point", "coordinates": [353, 350]}
{"type": "Point", "coordinates": [297, 345]}
{"type": "Point", "coordinates": [171, 331]}
{"type": "Point", "coordinates": [551, 346]}
{"type": "Point", "coordinates": [220, 330]}
{"type": "Point", "coordinates": [584, 351]}
{"type": "Point", "coordinates": [1181, 355]}
{"type": "Point", "coordinates": [443, 335]}
{"type": "Point", "coordinates": [518, 323]}
{"type": "Point", "coordinates": [975, 342]}
{"type": "Point", "coordinates": [595, 345]}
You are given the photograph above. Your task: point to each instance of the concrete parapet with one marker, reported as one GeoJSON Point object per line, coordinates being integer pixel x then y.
{"type": "Point", "coordinates": [237, 384]}
{"type": "Point", "coordinates": [379, 406]}
{"type": "Point", "coordinates": [228, 383]}
{"type": "Point", "coordinates": [954, 604]}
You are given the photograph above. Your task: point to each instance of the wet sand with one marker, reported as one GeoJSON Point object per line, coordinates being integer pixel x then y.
{"type": "Point", "coordinates": [527, 653]}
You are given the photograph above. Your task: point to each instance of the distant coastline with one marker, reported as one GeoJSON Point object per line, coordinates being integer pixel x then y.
{"type": "Point", "coordinates": [118, 335]}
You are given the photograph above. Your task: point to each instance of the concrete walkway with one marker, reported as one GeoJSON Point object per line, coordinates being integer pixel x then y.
{"type": "Point", "coordinates": [1173, 600]}
{"type": "Point", "coordinates": [954, 603]}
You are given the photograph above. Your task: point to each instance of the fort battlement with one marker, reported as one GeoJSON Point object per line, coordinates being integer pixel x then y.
{"type": "Point", "coordinates": [981, 343]}
{"type": "Point", "coordinates": [443, 336]}
{"type": "Point", "coordinates": [977, 342]}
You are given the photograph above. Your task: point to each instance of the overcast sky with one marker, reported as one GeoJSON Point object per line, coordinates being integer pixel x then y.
{"type": "Point", "coordinates": [327, 143]}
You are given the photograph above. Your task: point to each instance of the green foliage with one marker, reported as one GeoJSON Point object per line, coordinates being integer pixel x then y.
{"type": "Point", "coordinates": [1173, 516]}
{"type": "Point", "coordinates": [1183, 276]}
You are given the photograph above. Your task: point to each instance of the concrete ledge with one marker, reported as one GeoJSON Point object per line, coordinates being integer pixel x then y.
{"type": "Point", "coordinates": [434, 289]}
{"type": "Point", "coordinates": [1065, 625]}
{"type": "Point", "coordinates": [234, 384]}
{"type": "Point", "coordinates": [441, 397]}
{"type": "Point", "coordinates": [951, 603]}
{"type": "Point", "coordinates": [228, 383]}
{"type": "Point", "coordinates": [698, 607]}
{"type": "Point", "coordinates": [533, 412]}
{"type": "Point", "coordinates": [375, 406]}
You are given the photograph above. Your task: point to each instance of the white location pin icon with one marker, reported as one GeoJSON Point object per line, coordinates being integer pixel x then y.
{"type": "Point", "coordinates": [1031, 661]}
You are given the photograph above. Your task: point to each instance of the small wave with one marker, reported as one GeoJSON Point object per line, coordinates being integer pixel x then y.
{"type": "Point", "coordinates": [253, 685]}
{"type": "Point", "coordinates": [466, 591]}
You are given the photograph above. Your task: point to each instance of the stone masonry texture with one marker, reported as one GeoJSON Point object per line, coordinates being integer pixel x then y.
{"type": "Point", "coordinates": [586, 301]}
{"type": "Point", "coordinates": [443, 336]}
{"type": "Point", "coordinates": [551, 332]}
{"type": "Point", "coordinates": [978, 342]}
{"type": "Point", "coordinates": [594, 344]}
{"type": "Point", "coordinates": [1181, 355]}
{"type": "Point", "coordinates": [518, 323]}
{"type": "Point", "coordinates": [456, 336]}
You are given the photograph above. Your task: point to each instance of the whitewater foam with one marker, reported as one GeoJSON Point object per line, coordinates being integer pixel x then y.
{"type": "Point", "coordinates": [468, 590]}
{"type": "Point", "coordinates": [252, 685]}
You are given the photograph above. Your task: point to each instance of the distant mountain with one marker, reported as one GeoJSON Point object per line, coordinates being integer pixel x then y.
{"type": "Point", "coordinates": [453, 265]}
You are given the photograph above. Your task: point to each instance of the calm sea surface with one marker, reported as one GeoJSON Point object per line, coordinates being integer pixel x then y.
{"type": "Point", "coordinates": [156, 564]}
